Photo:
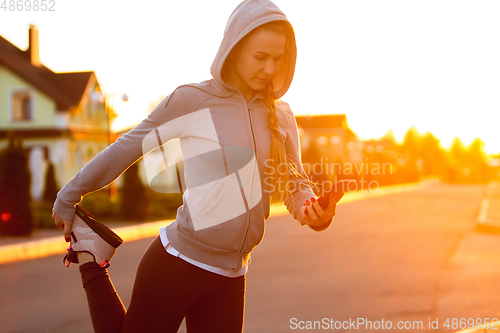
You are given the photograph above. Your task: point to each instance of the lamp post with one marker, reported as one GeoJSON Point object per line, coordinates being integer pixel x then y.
{"type": "Point", "coordinates": [110, 111]}
{"type": "Point", "coordinates": [109, 107]}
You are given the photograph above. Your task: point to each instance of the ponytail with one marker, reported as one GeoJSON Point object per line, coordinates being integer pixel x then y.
{"type": "Point", "coordinates": [280, 185]}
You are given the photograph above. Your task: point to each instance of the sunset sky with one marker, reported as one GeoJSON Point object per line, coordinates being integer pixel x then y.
{"type": "Point", "coordinates": [385, 64]}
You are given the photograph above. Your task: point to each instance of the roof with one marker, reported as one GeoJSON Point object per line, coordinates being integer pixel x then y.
{"type": "Point", "coordinates": [325, 124]}
{"type": "Point", "coordinates": [322, 121]}
{"type": "Point", "coordinates": [66, 89]}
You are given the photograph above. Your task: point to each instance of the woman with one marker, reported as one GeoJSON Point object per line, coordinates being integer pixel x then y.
{"type": "Point", "coordinates": [241, 150]}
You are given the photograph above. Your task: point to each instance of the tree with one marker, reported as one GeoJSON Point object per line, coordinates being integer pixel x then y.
{"type": "Point", "coordinates": [458, 152]}
{"type": "Point", "coordinates": [51, 189]}
{"type": "Point", "coordinates": [457, 171]}
{"type": "Point", "coordinates": [433, 157]}
{"type": "Point", "coordinates": [134, 202]}
{"type": "Point", "coordinates": [411, 148]}
{"type": "Point", "coordinates": [476, 161]}
{"type": "Point", "coordinates": [16, 210]}
{"type": "Point", "coordinates": [389, 139]}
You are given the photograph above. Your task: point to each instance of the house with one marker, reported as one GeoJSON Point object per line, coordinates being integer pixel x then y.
{"type": "Point", "coordinates": [329, 146]}
{"type": "Point", "coordinates": [60, 116]}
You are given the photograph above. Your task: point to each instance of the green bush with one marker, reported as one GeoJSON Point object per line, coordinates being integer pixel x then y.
{"type": "Point", "coordinates": [43, 215]}
{"type": "Point", "coordinates": [16, 210]}
{"type": "Point", "coordinates": [51, 189]}
{"type": "Point", "coordinates": [99, 204]}
{"type": "Point", "coordinates": [133, 198]}
{"type": "Point", "coordinates": [162, 206]}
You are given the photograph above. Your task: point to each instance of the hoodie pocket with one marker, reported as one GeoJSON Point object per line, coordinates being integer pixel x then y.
{"type": "Point", "coordinates": [213, 197]}
{"type": "Point", "coordinates": [219, 203]}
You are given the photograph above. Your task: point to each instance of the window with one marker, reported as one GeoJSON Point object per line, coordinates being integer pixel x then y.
{"type": "Point", "coordinates": [21, 105]}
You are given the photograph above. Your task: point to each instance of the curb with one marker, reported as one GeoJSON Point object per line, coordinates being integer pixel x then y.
{"type": "Point", "coordinates": [485, 224]}
{"type": "Point", "coordinates": [45, 247]}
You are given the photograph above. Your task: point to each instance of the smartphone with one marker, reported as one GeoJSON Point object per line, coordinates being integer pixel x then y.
{"type": "Point", "coordinates": [340, 187]}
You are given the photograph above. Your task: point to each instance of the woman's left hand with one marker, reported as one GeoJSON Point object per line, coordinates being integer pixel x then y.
{"type": "Point", "coordinates": [318, 216]}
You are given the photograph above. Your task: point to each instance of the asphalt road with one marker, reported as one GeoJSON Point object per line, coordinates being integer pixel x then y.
{"type": "Point", "coordinates": [401, 257]}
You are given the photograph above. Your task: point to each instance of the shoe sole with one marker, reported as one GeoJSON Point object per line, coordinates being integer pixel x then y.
{"type": "Point", "coordinates": [103, 231]}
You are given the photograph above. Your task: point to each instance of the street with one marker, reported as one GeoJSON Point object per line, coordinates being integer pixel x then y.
{"type": "Point", "coordinates": [403, 257]}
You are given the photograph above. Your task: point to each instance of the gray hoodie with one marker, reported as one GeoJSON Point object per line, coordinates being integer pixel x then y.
{"type": "Point", "coordinates": [225, 144]}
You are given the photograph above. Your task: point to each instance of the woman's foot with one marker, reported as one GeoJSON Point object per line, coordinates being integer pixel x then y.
{"type": "Point", "coordinates": [91, 240]}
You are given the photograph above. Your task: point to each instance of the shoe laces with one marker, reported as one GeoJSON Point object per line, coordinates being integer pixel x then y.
{"type": "Point", "coordinates": [69, 257]}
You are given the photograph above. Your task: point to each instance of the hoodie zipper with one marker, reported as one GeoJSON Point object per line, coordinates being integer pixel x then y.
{"type": "Point", "coordinates": [251, 128]}
{"type": "Point", "coordinates": [248, 105]}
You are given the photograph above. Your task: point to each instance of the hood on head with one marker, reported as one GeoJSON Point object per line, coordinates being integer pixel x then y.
{"type": "Point", "coordinates": [249, 15]}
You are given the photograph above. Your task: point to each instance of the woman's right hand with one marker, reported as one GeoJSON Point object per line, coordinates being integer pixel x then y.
{"type": "Point", "coordinates": [63, 224]}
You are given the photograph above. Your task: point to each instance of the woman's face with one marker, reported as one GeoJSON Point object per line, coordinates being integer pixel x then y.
{"type": "Point", "coordinates": [255, 61]}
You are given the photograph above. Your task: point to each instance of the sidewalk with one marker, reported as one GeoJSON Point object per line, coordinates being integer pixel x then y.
{"type": "Point", "coordinates": [48, 242]}
{"type": "Point", "coordinates": [477, 260]}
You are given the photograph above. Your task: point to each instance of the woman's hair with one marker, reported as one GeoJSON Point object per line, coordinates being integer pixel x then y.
{"type": "Point", "coordinates": [279, 178]}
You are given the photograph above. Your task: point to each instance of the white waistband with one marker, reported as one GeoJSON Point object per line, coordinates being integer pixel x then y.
{"type": "Point", "coordinates": [229, 272]}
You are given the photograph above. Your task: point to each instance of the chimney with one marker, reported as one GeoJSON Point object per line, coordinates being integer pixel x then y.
{"type": "Point", "coordinates": [33, 46]}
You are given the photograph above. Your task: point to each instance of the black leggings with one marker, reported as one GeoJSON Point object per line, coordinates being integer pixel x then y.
{"type": "Point", "coordinates": [166, 289]}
